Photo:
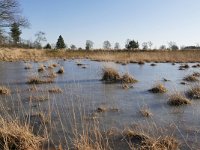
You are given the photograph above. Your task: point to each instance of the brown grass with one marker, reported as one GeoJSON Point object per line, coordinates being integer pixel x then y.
{"type": "Point", "coordinates": [4, 90]}
{"type": "Point", "coordinates": [159, 88]}
{"type": "Point", "coordinates": [145, 112]}
{"type": "Point", "coordinates": [15, 54]}
{"type": "Point", "coordinates": [194, 92]}
{"type": "Point", "coordinates": [55, 90]}
{"type": "Point", "coordinates": [196, 74]}
{"type": "Point", "coordinates": [41, 68]}
{"type": "Point", "coordinates": [110, 75]}
{"type": "Point", "coordinates": [61, 71]}
{"type": "Point", "coordinates": [38, 80]}
{"type": "Point", "coordinates": [127, 78]}
{"type": "Point", "coordinates": [145, 142]}
{"type": "Point", "coordinates": [178, 99]}
{"type": "Point", "coordinates": [14, 136]}
{"type": "Point", "coordinates": [191, 78]}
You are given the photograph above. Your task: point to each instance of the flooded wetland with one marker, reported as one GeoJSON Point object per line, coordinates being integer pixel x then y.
{"type": "Point", "coordinates": [83, 104]}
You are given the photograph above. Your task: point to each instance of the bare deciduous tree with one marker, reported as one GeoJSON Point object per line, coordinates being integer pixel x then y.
{"type": "Point", "coordinates": [10, 12]}
{"type": "Point", "coordinates": [117, 46]}
{"type": "Point", "coordinates": [106, 45]}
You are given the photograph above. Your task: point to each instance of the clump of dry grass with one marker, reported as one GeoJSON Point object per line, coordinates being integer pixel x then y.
{"type": "Point", "coordinates": [159, 88]}
{"type": "Point", "coordinates": [61, 71]}
{"type": "Point", "coordinates": [145, 142]}
{"type": "Point", "coordinates": [41, 68]}
{"type": "Point", "coordinates": [152, 64]}
{"type": "Point", "coordinates": [191, 78]}
{"type": "Point", "coordinates": [38, 80]}
{"type": "Point", "coordinates": [178, 99]}
{"type": "Point", "coordinates": [4, 90]}
{"type": "Point", "coordinates": [145, 112]}
{"type": "Point", "coordinates": [194, 92]}
{"type": "Point", "coordinates": [110, 75]}
{"type": "Point", "coordinates": [183, 67]}
{"type": "Point", "coordinates": [55, 90]}
{"type": "Point", "coordinates": [38, 98]}
{"type": "Point", "coordinates": [196, 74]}
{"type": "Point", "coordinates": [141, 63]}
{"type": "Point", "coordinates": [14, 136]}
{"type": "Point", "coordinates": [127, 78]}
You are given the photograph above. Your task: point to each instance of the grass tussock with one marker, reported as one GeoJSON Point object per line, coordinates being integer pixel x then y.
{"type": "Point", "coordinates": [4, 90]}
{"type": "Point", "coordinates": [38, 80]}
{"type": "Point", "coordinates": [55, 90]}
{"type": "Point", "coordinates": [178, 100]}
{"type": "Point", "coordinates": [110, 75]}
{"type": "Point", "coordinates": [41, 68]}
{"type": "Point", "coordinates": [61, 71]}
{"type": "Point", "coordinates": [194, 92]}
{"type": "Point", "coordinates": [143, 141]}
{"type": "Point", "coordinates": [127, 78]}
{"type": "Point", "coordinates": [196, 74]}
{"type": "Point", "coordinates": [191, 78]}
{"type": "Point", "coordinates": [159, 88]}
{"type": "Point", "coordinates": [14, 136]}
{"type": "Point", "coordinates": [38, 98]}
{"type": "Point", "coordinates": [145, 112]}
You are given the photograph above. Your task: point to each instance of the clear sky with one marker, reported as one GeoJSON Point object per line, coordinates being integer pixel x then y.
{"type": "Point", "coordinates": [159, 21]}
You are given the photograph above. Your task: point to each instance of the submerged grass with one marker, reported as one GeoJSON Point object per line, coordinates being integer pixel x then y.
{"type": "Point", "coordinates": [191, 78]}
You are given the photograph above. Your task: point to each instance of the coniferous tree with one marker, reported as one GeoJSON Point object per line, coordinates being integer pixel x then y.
{"type": "Point", "coordinates": [60, 43]}
{"type": "Point", "coordinates": [15, 33]}
{"type": "Point", "coordinates": [48, 46]}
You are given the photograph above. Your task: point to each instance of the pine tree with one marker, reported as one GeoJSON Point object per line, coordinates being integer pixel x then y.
{"type": "Point", "coordinates": [15, 33]}
{"type": "Point", "coordinates": [60, 43]}
{"type": "Point", "coordinates": [48, 46]}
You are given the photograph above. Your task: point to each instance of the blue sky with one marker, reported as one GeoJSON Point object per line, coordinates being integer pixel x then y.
{"type": "Point", "coordinates": [159, 21]}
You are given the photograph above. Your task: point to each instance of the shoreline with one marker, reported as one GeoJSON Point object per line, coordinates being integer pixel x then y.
{"type": "Point", "coordinates": [118, 56]}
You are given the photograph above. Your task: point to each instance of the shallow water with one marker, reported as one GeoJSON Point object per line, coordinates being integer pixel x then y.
{"type": "Point", "coordinates": [82, 87]}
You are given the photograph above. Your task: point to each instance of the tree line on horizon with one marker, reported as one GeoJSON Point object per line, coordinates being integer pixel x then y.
{"type": "Point", "coordinates": [11, 19]}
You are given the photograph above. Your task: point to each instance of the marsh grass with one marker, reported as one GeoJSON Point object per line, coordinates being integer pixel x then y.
{"type": "Point", "coordinates": [41, 68]}
{"type": "Point", "coordinates": [38, 80]}
{"type": "Point", "coordinates": [191, 78]}
{"type": "Point", "coordinates": [194, 92]}
{"type": "Point", "coordinates": [158, 88]}
{"type": "Point", "coordinates": [144, 141]}
{"type": "Point", "coordinates": [61, 71]}
{"type": "Point", "coordinates": [145, 111]}
{"type": "Point", "coordinates": [127, 78]}
{"type": "Point", "coordinates": [15, 136]}
{"type": "Point", "coordinates": [110, 75]}
{"type": "Point", "coordinates": [178, 99]}
{"type": "Point", "coordinates": [55, 90]}
{"type": "Point", "coordinates": [4, 90]}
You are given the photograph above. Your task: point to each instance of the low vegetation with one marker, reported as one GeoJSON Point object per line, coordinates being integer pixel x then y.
{"type": "Point", "coordinates": [38, 80]}
{"type": "Point", "coordinates": [14, 136]}
{"type": "Point", "coordinates": [194, 92]}
{"type": "Point", "coordinates": [15, 54]}
{"type": "Point", "coordinates": [159, 88]}
{"type": "Point", "coordinates": [178, 99]}
{"type": "Point", "coordinates": [61, 71]}
{"type": "Point", "coordinates": [4, 90]}
{"type": "Point", "coordinates": [55, 90]}
{"type": "Point", "coordinates": [112, 75]}
{"type": "Point", "coordinates": [142, 141]}
{"type": "Point", "coordinates": [191, 78]}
